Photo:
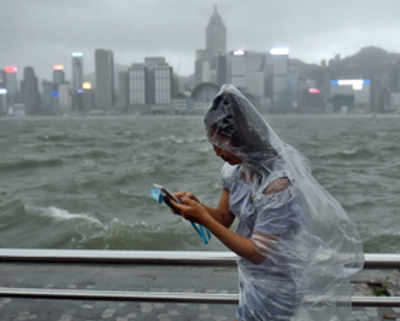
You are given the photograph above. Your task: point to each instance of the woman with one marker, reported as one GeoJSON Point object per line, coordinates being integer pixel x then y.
{"type": "Point", "coordinates": [295, 244]}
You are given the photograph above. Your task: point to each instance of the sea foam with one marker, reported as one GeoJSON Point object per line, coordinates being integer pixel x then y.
{"type": "Point", "coordinates": [61, 214]}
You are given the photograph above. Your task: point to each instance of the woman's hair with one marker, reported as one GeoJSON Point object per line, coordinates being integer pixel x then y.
{"type": "Point", "coordinates": [226, 119]}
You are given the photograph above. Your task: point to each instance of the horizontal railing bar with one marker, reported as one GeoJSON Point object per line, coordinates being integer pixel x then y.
{"type": "Point", "coordinates": [207, 258]}
{"type": "Point", "coordinates": [171, 297]}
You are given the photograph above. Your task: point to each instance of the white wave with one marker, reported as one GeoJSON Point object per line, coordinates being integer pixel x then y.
{"type": "Point", "coordinates": [61, 214]}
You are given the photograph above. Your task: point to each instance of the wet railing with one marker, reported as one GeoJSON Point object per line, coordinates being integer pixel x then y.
{"type": "Point", "coordinates": [159, 258]}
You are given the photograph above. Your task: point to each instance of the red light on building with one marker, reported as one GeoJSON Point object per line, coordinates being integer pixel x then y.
{"type": "Point", "coordinates": [58, 67]}
{"type": "Point", "coordinates": [313, 91]}
{"type": "Point", "coordinates": [11, 69]}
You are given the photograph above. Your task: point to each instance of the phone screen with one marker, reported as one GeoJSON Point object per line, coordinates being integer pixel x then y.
{"type": "Point", "coordinates": [167, 196]}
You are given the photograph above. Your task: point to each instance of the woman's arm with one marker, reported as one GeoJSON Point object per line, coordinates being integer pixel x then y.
{"type": "Point", "coordinates": [221, 213]}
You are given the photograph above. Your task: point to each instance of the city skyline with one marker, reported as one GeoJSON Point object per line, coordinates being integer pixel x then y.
{"type": "Point", "coordinates": [176, 36]}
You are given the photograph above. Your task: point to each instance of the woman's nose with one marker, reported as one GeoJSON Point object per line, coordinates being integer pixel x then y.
{"type": "Point", "coordinates": [217, 150]}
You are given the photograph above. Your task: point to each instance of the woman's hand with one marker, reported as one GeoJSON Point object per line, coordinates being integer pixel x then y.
{"type": "Point", "coordinates": [181, 195]}
{"type": "Point", "coordinates": [190, 209]}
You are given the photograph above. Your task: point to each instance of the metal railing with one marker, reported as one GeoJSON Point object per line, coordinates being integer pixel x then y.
{"type": "Point", "coordinates": [159, 258]}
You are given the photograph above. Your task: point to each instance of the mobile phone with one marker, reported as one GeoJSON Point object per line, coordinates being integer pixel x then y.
{"type": "Point", "coordinates": [167, 197]}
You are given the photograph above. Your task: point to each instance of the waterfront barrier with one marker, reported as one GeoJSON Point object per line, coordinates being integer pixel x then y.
{"type": "Point", "coordinates": [159, 258]}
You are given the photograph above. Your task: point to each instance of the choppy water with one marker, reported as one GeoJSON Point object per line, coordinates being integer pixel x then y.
{"type": "Point", "coordinates": [84, 182]}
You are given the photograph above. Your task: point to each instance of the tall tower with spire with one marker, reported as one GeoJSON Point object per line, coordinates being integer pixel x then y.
{"type": "Point", "coordinates": [215, 36]}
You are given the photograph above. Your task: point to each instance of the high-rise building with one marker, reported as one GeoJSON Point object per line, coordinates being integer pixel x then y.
{"type": "Point", "coordinates": [221, 70]}
{"type": "Point", "coordinates": [87, 96]}
{"type": "Point", "coordinates": [104, 65]}
{"type": "Point", "coordinates": [280, 82]}
{"type": "Point", "coordinates": [77, 71]}
{"type": "Point", "coordinates": [163, 84]}
{"type": "Point", "coordinates": [210, 63]}
{"type": "Point", "coordinates": [137, 84]}
{"type": "Point", "coordinates": [65, 98]}
{"type": "Point", "coordinates": [238, 68]}
{"type": "Point", "coordinates": [215, 37]}
{"type": "Point", "coordinates": [30, 92]}
{"type": "Point", "coordinates": [3, 101]}
{"type": "Point", "coordinates": [58, 74]}
{"type": "Point", "coordinates": [77, 80]}
{"type": "Point", "coordinates": [198, 66]}
{"type": "Point", "coordinates": [158, 81]}
{"type": "Point", "coordinates": [11, 84]}
{"type": "Point", "coordinates": [49, 97]}
{"type": "Point", "coordinates": [152, 62]}
{"type": "Point", "coordinates": [123, 99]}
{"type": "Point", "coordinates": [3, 79]}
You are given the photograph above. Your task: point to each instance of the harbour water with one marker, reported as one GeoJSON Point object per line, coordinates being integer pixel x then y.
{"type": "Point", "coordinates": [83, 183]}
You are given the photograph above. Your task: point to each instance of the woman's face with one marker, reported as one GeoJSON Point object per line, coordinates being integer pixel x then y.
{"type": "Point", "coordinates": [226, 155]}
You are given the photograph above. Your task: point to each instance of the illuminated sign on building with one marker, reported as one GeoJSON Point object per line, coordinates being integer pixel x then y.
{"type": "Point", "coordinates": [239, 52]}
{"type": "Point", "coordinates": [313, 91]}
{"type": "Point", "coordinates": [87, 85]}
{"type": "Point", "coordinates": [58, 67]}
{"type": "Point", "coordinates": [77, 54]}
{"type": "Point", "coordinates": [357, 84]}
{"type": "Point", "coordinates": [11, 69]}
{"type": "Point", "coordinates": [54, 93]}
{"type": "Point", "coordinates": [279, 51]}
{"type": "Point", "coordinates": [3, 91]}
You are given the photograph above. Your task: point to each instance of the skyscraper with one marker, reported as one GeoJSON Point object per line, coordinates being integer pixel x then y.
{"type": "Point", "coordinates": [158, 80]}
{"type": "Point", "coordinates": [30, 92]}
{"type": "Point", "coordinates": [87, 96]}
{"type": "Point", "coordinates": [198, 66]}
{"type": "Point", "coordinates": [210, 63]}
{"type": "Point", "coordinates": [77, 80]}
{"type": "Point", "coordinates": [221, 70]}
{"type": "Point", "coordinates": [280, 81]}
{"type": "Point", "coordinates": [162, 84]}
{"type": "Point", "coordinates": [3, 79]}
{"type": "Point", "coordinates": [123, 100]}
{"type": "Point", "coordinates": [104, 64]}
{"type": "Point", "coordinates": [58, 74]}
{"type": "Point", "coordinates": [3, 101]}
{"type": "Point", "coordinates": [137, 84]}
{"type": "Point", "coordinates": [77, 71]}
{"type": "Point", "coordinates": [49, 97]}
{"type": "Point", "coordinates": [11, 84]}
{"type": "Point", "coordinates": [215, 37]}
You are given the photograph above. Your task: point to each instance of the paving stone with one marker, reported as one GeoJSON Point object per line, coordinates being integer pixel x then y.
{"type": "Point", "coordinates": [205, 316]}
{"type": "Point", "coordinates": [371, 312]}
{"type": "Point", "coordinates": [159, 305]}
{"type": "Point", "coordinates": [146, 307]}
{"type": "Point", "coordinates": [173, 312]}
{"type": "Point", "coordinates": [131, 316]}
{"type": "Point", "coordinates": [203, 307]}
{"type": "Point", "coordinates": [108, 313]}
{"type": "Point", "coordinates": [66, 317]}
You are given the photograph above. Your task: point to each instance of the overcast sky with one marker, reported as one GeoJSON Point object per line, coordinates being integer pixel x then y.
{"type": "Point", "coordinates": [41, 33]}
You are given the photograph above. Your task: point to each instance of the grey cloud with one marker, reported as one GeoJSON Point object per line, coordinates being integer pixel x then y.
{"type": "Point", "coordinates": [40, 32]}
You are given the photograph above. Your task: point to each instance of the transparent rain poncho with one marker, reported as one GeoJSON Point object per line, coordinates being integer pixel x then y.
{"type": "Point", "coordinates": [311, 248]}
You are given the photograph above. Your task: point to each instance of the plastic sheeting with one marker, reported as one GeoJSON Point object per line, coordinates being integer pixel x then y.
{"type": "Point", "coordinates": [311, 247]}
